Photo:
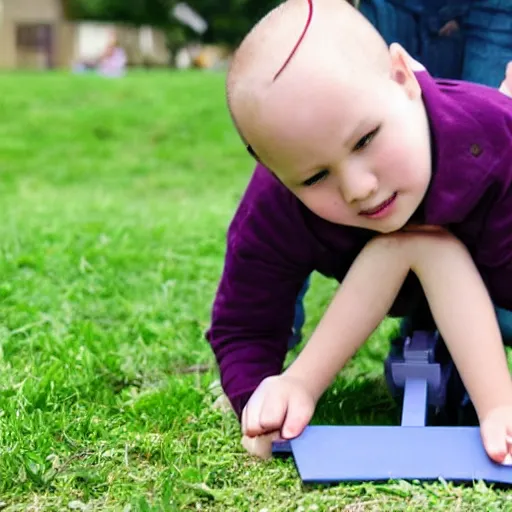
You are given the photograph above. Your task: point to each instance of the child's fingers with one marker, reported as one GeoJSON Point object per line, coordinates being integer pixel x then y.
{"type": "Point", "coordinates": [243, 420]}
{"type": "Point", "coordinates": [504, 88]}
{"type": "Point", "coordinates": [265, 411]}
{"type": "Point", "coordinates": [424, 228]}
{"type": "Point", "coordinates": [506, 85]}
{"type": "Point", "coordinates": [260, 446]}
{"type": "Point", "coordinates": [251, 414]}
{"type": "Point", "coordinates": [508, 439]}
{"type": "Point", "coordinates": [494, 437]}
{"type": "Point", "coordinates": [273, 412]}
{"type": "Point", "coordinates": [299, 412]}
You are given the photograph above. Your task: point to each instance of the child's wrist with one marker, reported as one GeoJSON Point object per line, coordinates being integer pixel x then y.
{"type": "Point", "coordinates": [494, 401]}
{"type": "Point", "coordinates": [307, 380]}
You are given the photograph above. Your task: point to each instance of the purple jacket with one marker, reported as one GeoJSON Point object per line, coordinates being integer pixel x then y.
{"type": "Point", "coordinates": [274, 242]}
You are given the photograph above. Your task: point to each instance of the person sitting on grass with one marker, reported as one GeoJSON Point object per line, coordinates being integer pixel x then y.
{"type": "Point", "coordinates": [377, 175]}
{"type": "Point", "coordinates": [110, 63]}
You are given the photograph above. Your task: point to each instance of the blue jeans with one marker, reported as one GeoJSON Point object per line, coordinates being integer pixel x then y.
{"type": "Point", "coordinates": [485, 62]}
{"type": "Point", "coordinates": [395, 24]}
{"type": "Point", "coordinates": [415, 26]}
{"type": "Point", "coordinates": [488, 29]}
{"type": "Point", "coordinates": [300, 316]}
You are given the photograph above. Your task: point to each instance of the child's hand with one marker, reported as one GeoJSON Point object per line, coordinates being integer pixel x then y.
{"type": "Point", "coordinates": [260, 446]}
{"type": "Point", "coordinates": [496, 431]}
{"type": "Point", "coordinates": [281, 405]}
{"type": "Point", "coordinates": [506, 85]}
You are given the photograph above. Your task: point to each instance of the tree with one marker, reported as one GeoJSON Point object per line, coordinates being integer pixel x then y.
{"type": "Point", "coordinates": [228, 20]}
{"type": "Point", "coordinates": [138, 12]}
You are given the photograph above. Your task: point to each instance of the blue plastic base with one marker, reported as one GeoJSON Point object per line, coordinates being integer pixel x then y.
{"type": "Point", "coordinates": [281, 449]}
{"type": "Point", "coordinates": [332, 454]}
{"type": "Point", "coordinates": [412, 451]}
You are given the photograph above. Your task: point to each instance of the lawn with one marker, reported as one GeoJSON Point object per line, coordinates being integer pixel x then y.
{"type": "Point", "coordinates": [115, 200]}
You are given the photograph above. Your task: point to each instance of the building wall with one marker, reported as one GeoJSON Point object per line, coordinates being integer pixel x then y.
{"type": "Point", "coordinates": [145, 45]}
{"type": "Point", "coordinates": [16, 12]}
{"type": "Point", "coordinates": [71, 41]}
{"type": "Point", "coordinates": [33, 10]}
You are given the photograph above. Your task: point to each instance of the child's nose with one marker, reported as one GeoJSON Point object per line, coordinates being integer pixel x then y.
{"type": "Point", "coordinates": [357, 185]}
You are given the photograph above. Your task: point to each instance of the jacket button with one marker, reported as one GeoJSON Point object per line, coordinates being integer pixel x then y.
{"type": "Point", "coordinates": [476, 150]}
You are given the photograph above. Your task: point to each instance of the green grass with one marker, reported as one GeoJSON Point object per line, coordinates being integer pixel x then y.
{"type": "Point", "coordinates": [115, 201]}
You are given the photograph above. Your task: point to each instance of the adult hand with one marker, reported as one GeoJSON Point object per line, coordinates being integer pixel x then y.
{"type": "Point", "coordinates": [449, 28]}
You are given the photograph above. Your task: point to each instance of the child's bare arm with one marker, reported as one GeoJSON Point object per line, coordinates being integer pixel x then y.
{"type": "Point", "coordinates": [466, 319]}
{"type": "Point", "coordinates": [460, 305]}
{"type": "Point", "coordinates": [363, 299]}
{"type": "Point", "coordinates": [285, 403]}
{"type": "Point", "coordinates": [457, 296]}
{"type": "Point", "coordinates": [465, 316]}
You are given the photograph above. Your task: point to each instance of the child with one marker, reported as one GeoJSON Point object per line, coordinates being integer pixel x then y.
{"type": "Point", "coordinates": [358, 143]}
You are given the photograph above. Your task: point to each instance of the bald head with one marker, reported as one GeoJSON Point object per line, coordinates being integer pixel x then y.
{"type": "Point", "coordinates": [296, 40]}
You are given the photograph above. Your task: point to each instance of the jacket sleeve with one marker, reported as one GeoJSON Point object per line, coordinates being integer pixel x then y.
{"type": "Point", "coordinates": [266, 264]}
{"type": "Point", "coordinates": [493, 253]}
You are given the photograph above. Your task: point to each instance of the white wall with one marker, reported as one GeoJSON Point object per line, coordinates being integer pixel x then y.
{"type": "Point", "coordinates": [91, 39]}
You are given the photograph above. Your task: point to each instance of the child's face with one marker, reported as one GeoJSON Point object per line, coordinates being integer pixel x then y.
{"type": "Point", "coordinates": [355, 151]}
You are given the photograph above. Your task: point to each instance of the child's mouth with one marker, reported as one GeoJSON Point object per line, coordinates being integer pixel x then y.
{"type": "Point", "coordinates": [381, 210]}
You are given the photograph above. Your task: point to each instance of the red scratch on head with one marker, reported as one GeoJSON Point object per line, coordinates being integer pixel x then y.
{"type": "Point", "coordinates": [308, 22]}
{"type": "Point", "coordinates": [310, 15]}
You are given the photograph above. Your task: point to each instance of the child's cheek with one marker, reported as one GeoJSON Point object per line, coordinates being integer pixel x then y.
{"type": "Point", "coordinates": [395, 157]}
{"type": "Point", "coordinates": [327, 203]}
{"type": "Point", "coordinates": [387, 152]}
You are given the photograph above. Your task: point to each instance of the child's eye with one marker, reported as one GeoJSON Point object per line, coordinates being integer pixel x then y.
{"type": "Point", "coordinates": [364, 141]}
{"type": "Point", "coordinates": [319, 176]}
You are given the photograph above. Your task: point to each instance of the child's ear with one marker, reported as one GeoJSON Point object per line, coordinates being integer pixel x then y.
{"type": "Point", "coordinates": [402, 70]}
